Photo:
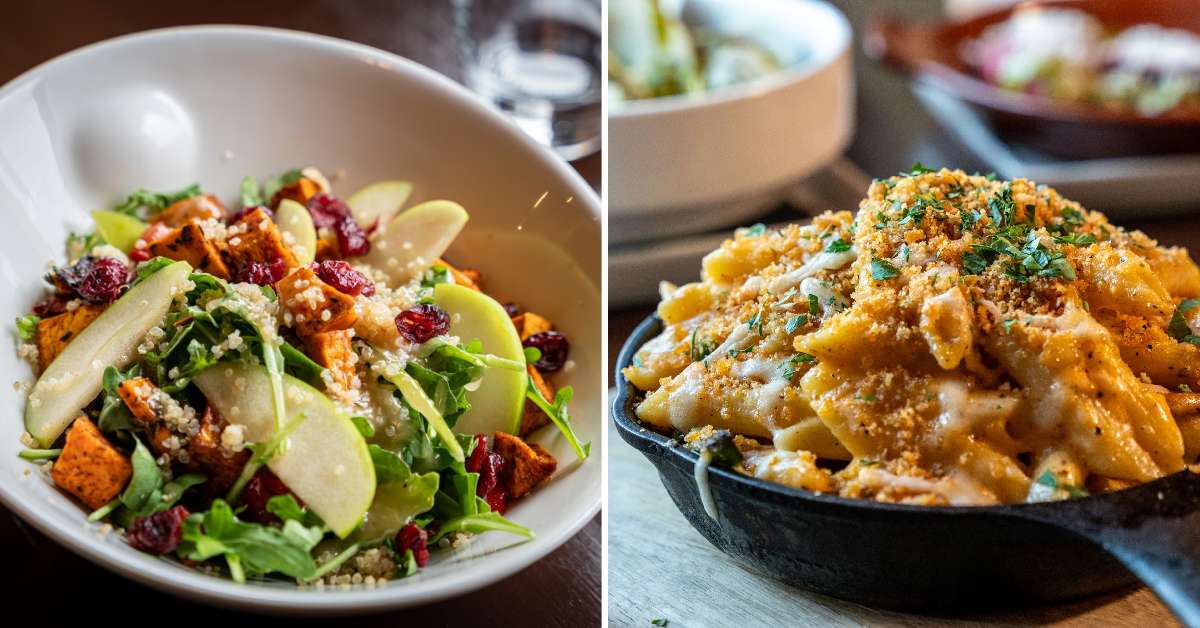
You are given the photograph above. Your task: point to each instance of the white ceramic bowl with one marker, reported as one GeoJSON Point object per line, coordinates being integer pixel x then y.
{"type": "Point", "coordinates": [683, 164]}
{"type": "Point", "coordinates": [211, 104]}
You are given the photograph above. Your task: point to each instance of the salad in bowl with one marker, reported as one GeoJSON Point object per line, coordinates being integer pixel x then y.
{"type": "Point", "coordinates": [301, 388]}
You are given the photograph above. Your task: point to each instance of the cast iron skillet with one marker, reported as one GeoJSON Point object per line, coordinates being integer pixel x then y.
{"type": "Point", "coordinates": [925, 558]}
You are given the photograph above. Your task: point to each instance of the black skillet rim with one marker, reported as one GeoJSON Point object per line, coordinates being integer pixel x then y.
{"type": "Point", "coordinates": [652, 443]}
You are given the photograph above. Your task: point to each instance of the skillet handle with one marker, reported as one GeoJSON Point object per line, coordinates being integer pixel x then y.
{"type": "Point", "coordinates": [1154, 530]}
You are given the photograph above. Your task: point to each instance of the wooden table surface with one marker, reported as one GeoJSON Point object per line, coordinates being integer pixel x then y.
{"type": "Point", "coordinates": [561, 590]}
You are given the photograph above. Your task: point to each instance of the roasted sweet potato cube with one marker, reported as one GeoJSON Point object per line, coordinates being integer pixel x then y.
{"type": "Point", "coordinates": [188, 243]}
{"type": "Point", "coordinates": [332, 350]}
{"type": "Point", "coordinates": [256, 238]}
{"type": "Point", "coordinates": [528, 324]}
{"type": "Point", "coordinates": [525, 464]}
{"type": "Point", "coordinates": [90, 467]}
{"type": "Point", "coordinates": [205, 455]}
{"type": "Point", "coordinates": [466, 278]}
{"type": "Point", "coordinates": [138, 394]}
{"type": "Point", "coordinates": [201, 207]}
{"type": "Point", "coordinates": [301, 190]}
{"type": "Point", "coordinates": [315, 306]}
{"type": "Point", "coordinates": [55, 332]}
{"type": "Point", "coordinates": [533, 418]}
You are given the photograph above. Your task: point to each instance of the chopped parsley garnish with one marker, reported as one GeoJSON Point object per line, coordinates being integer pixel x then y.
{"type": "Point", "coordinates": [1178, 328]}
{"type": "Point", "coordinates": [838, 246]}
{"type": "Point", "coordinates": [1027, 260]}
{"type": "Point", "coordinates": [1185, 388]}
{"type": "Point", "coordinates": [867, 462]}
{"type": "Point", "coordinates": [814, 305]}
{"type": "Point", "coordinates": [1076, 239]}
{"type": "Point", "coordinates": [902, 255]}
{"type": "Point", "coordinates": [795, 322]}
{"type": "Point", "coordinates": [733, 353]}
{"type": "Point", "coordinates": [756, 321]}
{"type": "Point", "coordinates": [788, 369]}
{"type": "Point", "coordinates": [753, 230]}
{"type": "Point", "coordinates": [969, 218]}
{"type": "Point", "coordinates": [867, 398]}
{"type": "Point", "coordinates": [699, 349]}
{"type": "Point", "coordinates": [882, 270]}
{"type": "Point", "coordinates": [882, 218]}
{"type": "Point", "coordinates": [1050, 480]}
{"type": "Point", "coordinates": [661, 621]}
{"type": "Point", "coordinates": [1008, 323]}
{"type": "Point", "coordinates": [1001, 207]}
{"type": "Point", "coordinates": [918, 168]}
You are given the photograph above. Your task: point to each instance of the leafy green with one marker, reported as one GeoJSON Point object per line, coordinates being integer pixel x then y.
{"type": "Point", "coordinates": [837, 246]}
{"type": "Point", "coordinates": [146, 480]}
{"type": "Point", "coordinates": [249, 192]}
{"type": "Point", "coordinates": [114, 415]}
{"type": "Point", "coordinates": [721, 448]}
{"type": "Point", "coordinates": [39, 454]}
{"type": "Point", "coordinates": [1001, 207]}
{"type": "Point", "coordinates": [1027, 257]}
{"type": "Point", "coordinates": [698, 349]}
{"type": "Point", "coordinates": [1076, 239]}
{"type": "Point", "coordinates": [788, 369]}
{"type": "Point", "coordinates": [752, 231]}
{"type": "Point", "coordinates": [79, 245]}
{"type": "Point", "coordinates": [149, 267]}
{"type": "Point", "coordinates": [814, 305]}
{"type": "Point", "coordinates": [248, 548]}
{"type": "Point", "coordinates": [363, 425]}
{"type": "Point", "coordinates": [274, 184]}
{"type": "Point", "coordinates": [918, 168]}
{"type": "Point", "coordinates": [882, 269]}
{"type": "Point", "coordinates": [558, 414]}
{"type": "Point", "coordinates": [299, 365]}
{"type": "Point", "coordinates": [481, 522]}
{"type": "Point", "coordinates": [27, 327]}
{"type": "Point", "coordinates": [1048, 479]}
{"type": "Point", "coordinates": [153, 201]}
{"type": "Point", "coordinates": [1178, 328]}
{"type": "Point", "coordinates": [435, 275]}
{"type": "Point", "coordinates": [795, 323]}
{"type": "Point", "coordinates": [287, 508]}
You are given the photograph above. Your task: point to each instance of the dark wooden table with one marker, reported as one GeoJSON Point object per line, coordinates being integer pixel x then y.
{"type": "Point", "coordinates": [561, 590]}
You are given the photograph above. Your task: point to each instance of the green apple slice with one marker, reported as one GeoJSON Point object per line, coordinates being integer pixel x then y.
{"type": "Point", "coordinates": [378, 201]}
{"type": "Point", "coordinates": [413, 240]}
{"type": "Point", "coordinates": [119, 230]}
{"type": "Point", "coordinates": [293, 218]}
{"type": "Point", "coordinates": [497, 403]}
{"type": "Point", "coordinates": [76, 376]}
{"type": "Point", "coordinates": [325, 461]}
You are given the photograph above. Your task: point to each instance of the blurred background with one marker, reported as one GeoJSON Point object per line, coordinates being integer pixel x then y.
{"type": "Point", "coordinates": [726, 113]}
{"type": "Point", "coordinates": [534, 60]}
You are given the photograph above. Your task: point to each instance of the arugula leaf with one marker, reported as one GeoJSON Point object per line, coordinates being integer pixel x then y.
{"type": "Point", "coordinates": [882, 270]}
{"type": "Point", "coordinates": [146, 481]}
{"type": "Point", "coordinates": [154, 201]}
{"type": "Point", "coordinates": [299, 365]}
{"type": "Point", "coordinates": [114, 414]}
{"type": "Point", "coordinates": [435, 275]}
{"type": "Point", "coordinates": [274, 184]}
{"type": "Point", "coordinates": [27, 327]}
{"type": "Point", "coordinates": [248, 548]}
{"type": "Point", "coordinates": [558, 414]}
{"type": "Point", "coordinates": [249, 192]}
{"type": "Point", "coordinates": [287, 508]}
{"type": "Point", "coordinates": [482, 522]}
{"type": "Point", "coordinates": [149, 267]}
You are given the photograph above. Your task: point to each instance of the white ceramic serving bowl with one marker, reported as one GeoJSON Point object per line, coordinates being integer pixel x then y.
{"type": "Point", "coordinates": [166, 108]}
{"type": "Point", "coordinates": [684, 164]}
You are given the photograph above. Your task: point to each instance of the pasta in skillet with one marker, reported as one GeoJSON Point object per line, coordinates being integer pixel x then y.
{"type": "Point", "coordinates": [960, 340]}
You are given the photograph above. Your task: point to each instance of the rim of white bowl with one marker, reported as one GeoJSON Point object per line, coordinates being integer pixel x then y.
{"type": "Point", "coordinates": [197, 586]}
{"type": "Point", "coordinates": [756, 88]}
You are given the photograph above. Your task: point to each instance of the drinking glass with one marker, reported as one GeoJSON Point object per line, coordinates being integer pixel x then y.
{"type": "Point", "coordinates": [539, 62]}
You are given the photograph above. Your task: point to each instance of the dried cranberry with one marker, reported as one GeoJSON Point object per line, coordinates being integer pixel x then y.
{"type": "Point", "coordinates": [352, 242]}
{"type": "Point", "coordinates": [488, 464]}
{"type": "Point", "coordinates": [326, 210]}
{"type": "Point", "coordinates": [261, 488]}
{"type": "Point", "coordinates": [330, 213]}
{"type": "Point", "coordinates": [262, 273]}
{"type": "Point", "coordinates": [478, 455]}
{"type": "Point", "coordinates": [513, 309]}
{"type": "Point", "coordinates": [101, 280]}
{"type": "Point", "coordinates": [554, 348]}
{"type": "Point", "coordinates": [158, 533]}
{"type": "Point", "coordinates": [412, 537]}
{"type": "Point", "coordinates": [345, 279]}
{"type": "Point", "coordinates": [52, 305]}
{"type": "Point", "coordinates": [421, 322]}
{"type": "Point", "coordinates": [246, 210]}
